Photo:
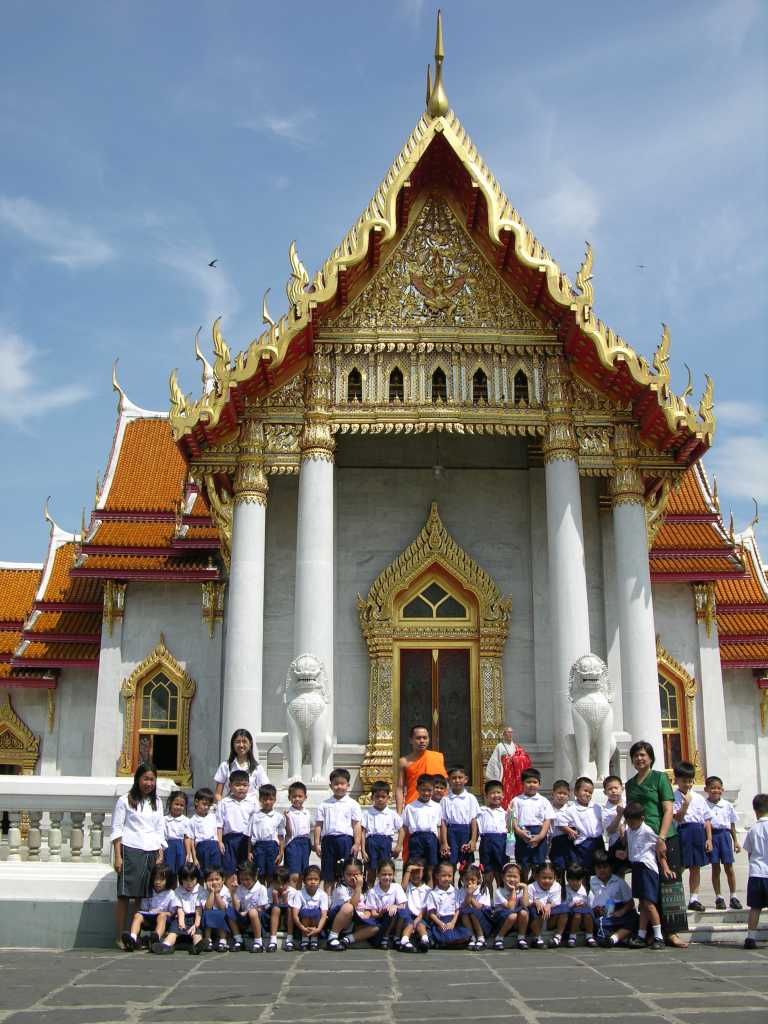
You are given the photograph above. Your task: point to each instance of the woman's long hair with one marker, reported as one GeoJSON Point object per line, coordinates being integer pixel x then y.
{"type": "Point", "coordinates": [135, 796]}
{"type": "Point", "coordinates": [232, 760]}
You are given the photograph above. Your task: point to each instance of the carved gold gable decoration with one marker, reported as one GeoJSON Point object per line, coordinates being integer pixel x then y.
{"type": "Point", "coordinates": [18, 744]}
{"type": "Point", "coordinates": [436, 277]}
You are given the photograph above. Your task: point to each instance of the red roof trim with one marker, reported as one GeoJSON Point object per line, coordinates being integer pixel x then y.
{"type": "Point", "coordinates": [745, 662]}
{"type": "Point", "coordinates": [694, 577]}
{"type": "Point", "coordinates": [692, 517]}
{"type": "Point", "coordinates": [183, 576]}
{"type": "Point", "coordinates": [724, 607]}
{"type": "Point", "coordinates": [135, 552]}
{"type": "Point", "coordinates": [694, 553]}
{"type": "Point", "coordinates": [209, 543]}
{"type": "Point", "coordinates": [68, 606]}
{"type": "Point", "coordinates": [743, 638]}
{"type": "Point", "coordinates": [129, 515]}
{"type": "Point", "coordinates": [62, 638]}
{"type": "Point", "coordinates": [55, 663]}
{"type": "Point", "coordinates": [11, 627]}
{"type": "Point", "coordinates": [30, 682]}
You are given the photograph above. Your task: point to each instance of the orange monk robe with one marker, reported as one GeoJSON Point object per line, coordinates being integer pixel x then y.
{"type": "Point", "coordinates": [431, 762]}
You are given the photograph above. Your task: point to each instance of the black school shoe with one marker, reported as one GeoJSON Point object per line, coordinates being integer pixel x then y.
{"type": "Point", "coordinates": [750, 944]}
{"type": "Point", "coordinates": [128, 941]}
{"type": "Point", "coordinates": [160, 948]}
{"type": "Point", "coordinates": [735, 904]}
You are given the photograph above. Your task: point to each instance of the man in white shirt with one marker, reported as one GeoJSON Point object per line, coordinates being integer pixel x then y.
{"type": "Point", "coordinates": [756, 846]}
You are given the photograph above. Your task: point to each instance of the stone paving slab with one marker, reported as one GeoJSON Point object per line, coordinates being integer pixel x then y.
{"type": "Point", "coordinates": [702, 985]}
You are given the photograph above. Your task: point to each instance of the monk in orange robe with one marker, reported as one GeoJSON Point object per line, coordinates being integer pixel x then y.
{"type": "Point", "coordinates": [421, 761]}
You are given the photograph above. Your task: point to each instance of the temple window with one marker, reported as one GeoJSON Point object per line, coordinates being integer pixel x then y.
{"type": "Point", "coordinates": [479, 387]}
{"type": "Point", "coordinates": [396, 387]}
{"type": "Point", "coordinates": [434, 602]}
{"type": "Point", "coordinates": [520, 388]}
{"type": "Point", "coordinates": [439, 386]}
{"type": "Point", "coordinates": [355, 386]}
{"type": "Point", "coordinates": [671, 722]}
{"type": "Point", "coordinates": [159, 725]}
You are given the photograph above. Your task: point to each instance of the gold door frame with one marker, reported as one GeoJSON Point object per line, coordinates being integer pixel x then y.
{"type": "Point", "coordinates": [384, 635]}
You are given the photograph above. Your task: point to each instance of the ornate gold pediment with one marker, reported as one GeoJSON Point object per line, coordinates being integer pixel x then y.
{"type": "Point", "coordinates": [18, 744]}
{"type": "Point", "coordinates": [437, 277]}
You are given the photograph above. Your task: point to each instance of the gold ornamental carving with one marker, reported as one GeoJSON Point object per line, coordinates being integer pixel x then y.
{"type": "Point", "coordinates": [670, 668]}
{"type": "Point", "coordinates": [213, 604]}
{"type": "Point", "coordinates": [316, 438]}
{"type": "Point", "coordinates": [656, 509]}
{"type": "Point", "coordinates": [560, 442]}
{"type": "Point", "coordinates": [251, 483]}
{"type": "Point", "coordinates": [706, 605]}
{"type": "Point", "coordinates": [114, 603]}
{"type": "Point", "coordinates": [18, 744]}
{"type": "Point", "coordinates": [627, 485]}
{"type": "Point", "coordinates": [221, 506]}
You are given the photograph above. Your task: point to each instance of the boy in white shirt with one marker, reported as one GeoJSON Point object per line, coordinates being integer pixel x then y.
{"type": "Point", "coordinates": [202, 832]}
{"type": "Point", "coordinates": [646, 882]}
{"type": "Point", "coordinates": [382, 830]}
{"type": "Point", "coordinates": [610, 900]}
{"type": "Point", "coordinates": [492, 829]}
{"type": "Point", "coordinates": [309, 909]}
{"type": "Point", "coordinates": [155, 910]}
{"type": "Point", "coordinates": [266, 832]}
{"type": "Point", "coordinates": [338, 833]}
{"type": "Point", "coordinates": [298, 843]}
{"type": "Point", "coordinates": [248, 900]}
{"type": "Point", "coordinates": [421, 820]}
{"type": "Point", "coordinates": [725, 842]}
{"type": "Point", "coordinates": [613, 822]}
{"type": "Point", "coordinates": [532, 816]}
{"type": "Point", "coordinates": [586, 818]}
{"type": "Point", "coordinates": [458, 819]}
{"type": "Point", "coordinates": [233, 815]}
{"type": "Point", "coordinates": [694, 825]}
{"type": "Point", "coordinates": [756, 846]}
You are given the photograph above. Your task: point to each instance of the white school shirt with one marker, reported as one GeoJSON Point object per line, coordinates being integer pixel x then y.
{"type": "Point", "coordinates": [138, 828]}
{"type": "Point", "coordinates": [756, 845]}
{"type": "Point", "coordinates": [609, 814]}
{"type": "Point", "coordinates": [532, 810]}
{"type": "Point", "coordinates": [502, 895]}
{"type": "Point", "coordinates": [492, 821]}
{"type": "Point", "coordinates": [615, 889]}
{"type": "Point", "coordinates": [415, 896]}
{"type": "Point", "coordinates": [552, 897]}
{"type": "Point", "coordinates": [377, 899]}
{"type": "Point", "coordinates": [300, 822]}
{"type": "Point", "coordinates": [301, 900]}
{"type": "Point", "coordinates": [253, 898]}
{"type": "Point", "coordinates": [576, 897]}
{"type": "Point", "coordinates": [202, 827]}
{"type": "Point", "coordinates": [698, 809]}
{"type": "Point", "coordinates": [266, 826]}
{"type": "Point", "coordinates": [176, 828]}
{"type": "Point", "coordinates": [257, 777]}
{"type": "Point", "coordinates": [337, 816]}
{"type": "Point", "coordinates": [483, 898]}
{"type": "Point", "coordinates": [588, 821]}
{"type": "Point", "coordinates": [443, 902]}
{"type": "Point", "coordinates": [287, 895]}
{"type": "Point", "coordinates": [341, 894]}
{"type": "Point", "coordinates": [641, 846]}
{"type": "Point", "coordinates": [164, 902]}
{"type": "Point", "coordinates": [386, 822]}
{"type": "Point", "coordinates": [560, 820]}
{"type": "Point", "coordinates": [224, 895]}
{"type": "Point", "coordinates": [421, 817]}
{"type": "Point", "coordinates": [234, 815]}
{"type": "Point", "coordinates": [459, 808]}
{"type": "Point", "coordinates": [187, 899]}
{"type": "Point", "coordinates": [723, 814]}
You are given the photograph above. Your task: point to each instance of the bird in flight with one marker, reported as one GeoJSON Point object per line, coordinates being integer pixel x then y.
{"type": "Point", "coordinates": [641, 266]}
{"type": "Point", "coordinates": [213, 263]}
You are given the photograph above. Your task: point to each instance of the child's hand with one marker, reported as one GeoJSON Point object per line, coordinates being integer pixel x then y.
{"type": "Point", "coordinates": [118, 863]}
{"type": "Point", "coordinates": [396, 851]}
{"type": "Point", "coordinates": [392, 910]}
{"type": "Point", "coordinates": [222, 847]}
{"type": "Point", "coordinates": [599, 911]}
{"type": "Point", "coordinates": [445, 850]}
{"type": "Point", "coordinates": [621, 854]}
{"type": "Point", "coordinates": [279, 858]}
{"type": "Point", "coordinates": [570, 832]}
{"type": "Point", "coordinates": [316, 848]}
{"type": "Point", "coordinates": [708, 845]}
{"type": "Point", "coordinates": [736, 847]}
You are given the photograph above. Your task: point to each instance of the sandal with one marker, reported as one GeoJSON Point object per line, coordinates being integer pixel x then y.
{"type": "Point", "coordinates": [498, 943]}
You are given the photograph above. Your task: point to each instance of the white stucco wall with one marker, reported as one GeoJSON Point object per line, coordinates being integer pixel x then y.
{"type": "Point", "coordinates": [279, 589]}
{"type": "Point", "coordinates": [75, 710]}
{"type": "Point", "coordinates": [675, 619]}
{"type": "Point", "coordinates": [593, 560]}
{"type": "Point", "coordinates": [746, 765]}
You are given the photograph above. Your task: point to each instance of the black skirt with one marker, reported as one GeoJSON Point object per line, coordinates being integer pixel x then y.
{"type": "Point", "coordinates": [133, 880]}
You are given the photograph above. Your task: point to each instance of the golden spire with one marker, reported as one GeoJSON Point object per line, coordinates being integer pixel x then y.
{"type": "Point", "coordinates": [437, 101]}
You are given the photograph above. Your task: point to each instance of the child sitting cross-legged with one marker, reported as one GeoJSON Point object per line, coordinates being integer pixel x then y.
{"type": "Point", "coordinates": [248, 900]}
{"type": "Point", "coordinates": [412, 915]}
{"type": "Point", "coordinates": [612, 905]}
{"type": "Point", "coordinates": [154, 910]}
{"type": "Point", "coordinates": [215, 906]}
{"type": "Point", "coordinates": [443, 909]}
{"type": "Point", "coordinates": [475, 906]}
{"type": "Point", "coordinates": [380, 907]}
{"type": "Point", "coordinates": [309, 909]}
{"type": "Point", "coordinates": [642, 844]}
{"type": "Point", "coordinates": [510, 907]}
{"type": "Point", "coordinates": [544, 901]}
{"type": "Point", "coordinates": [577, 912]}
{"type": "Point", "coordinates": [346, 898]}
{"type": "Point", "coordinates": [279, 908]}
{"type": "Point", "coordinates": [186, 925]}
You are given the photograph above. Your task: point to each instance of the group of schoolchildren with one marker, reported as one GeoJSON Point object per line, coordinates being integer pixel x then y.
{"type": "Point", "coordinates": [236, 872]}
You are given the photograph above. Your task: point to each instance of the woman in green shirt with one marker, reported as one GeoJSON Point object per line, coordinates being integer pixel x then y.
{"type": "Point", "coordinates": [653, 790]}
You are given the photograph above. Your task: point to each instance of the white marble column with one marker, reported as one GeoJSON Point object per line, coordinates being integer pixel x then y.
{"type": "Point", "coordinates": [569, 612]}
{"type": "Point", "coordinates": [639, 671]}
{"type": "Point", "coordinates": [108, 718]}
{"type": "Point", "coordinates": [241, 698]}
{"type": "Point", "coordinates": [713, 728]}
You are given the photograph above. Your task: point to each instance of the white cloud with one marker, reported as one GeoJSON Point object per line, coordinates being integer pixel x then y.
{"type": "Point", "coordinates": [290, 129]}
{"type": "Point", "coordinates": [730, 21]}
{"type": "Point", "coordinates": [19, 384]}
{"type": "Point", "coordinates": [61, 239]}
{"type": "Point", "coordinates": [410, 11]}
{"type": "Point", "coordinates": [739, 414]}
{"type": "Point", "coordinates": [219, 296]}
{"type": "Point", "coordinates": [573, 206]}
{"type": "Point", "coordinates": [741, 464]}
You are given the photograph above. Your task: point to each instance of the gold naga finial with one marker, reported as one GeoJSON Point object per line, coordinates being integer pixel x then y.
{"type": "Point", "coordinates": [83, 526]}
{"type": "Point", "coordinates": [46, 513]}
{"type": "Point", "coordinates": [731, 531]}
{"type": "Point", "coordinates": [584, 277]}
{"type": "Point", "coordinates": [221, 365]}
{"type": "Point", "coordinates": [299, 278]}
{"type": "Point", "coordinates": [178, 404]}
{"type": "Point", "coordinates": [689, 386]}
{"type": "Point", "coordinates": [265, 317]}
{"type": "Point", "coordinates": [661, 356]}
{"type": "Point", "coordinates": [437, 100]}
{"type": "Point", "coordinates": [706, 405]}
{"type": "Point", "coordinates": [207, 368]}
{"type": "Point", "coordinates": [715, 497]}
{"type": "Point", "coordinates": [97, 497]}
{"type": "Point", "coordinates": [116, 387]}
{"type": "Point", "coordinates": [755, 518]}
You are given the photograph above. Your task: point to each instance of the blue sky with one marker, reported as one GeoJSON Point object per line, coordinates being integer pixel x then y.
{"type": "Point", "coordinates": [142, 140]}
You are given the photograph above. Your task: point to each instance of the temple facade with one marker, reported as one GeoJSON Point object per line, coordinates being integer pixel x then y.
{"type": "Point", "coordinates": [442, 476]}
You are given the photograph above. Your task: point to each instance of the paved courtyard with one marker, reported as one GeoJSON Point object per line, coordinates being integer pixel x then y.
{"type": "Point", "coordinates": [698, 986]}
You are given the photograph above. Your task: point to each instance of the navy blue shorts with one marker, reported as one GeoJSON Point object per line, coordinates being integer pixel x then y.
{"type": "Point", "coordinates": [692, 839]}
{"type": "Point", "coordinates": [208, 855]}
{"type": "Point", "coordinates": [266, 919]}
{"type": "Point", "coordinates": [606, 926]}
{"type": "Point", "coordinates": [722, 846]}
{"type": "Point", "coordinates": [175, 855]}
{"type": "Point", "coordinates": [424, 846]}
{"type": "Point", "coordinates": [406, 915]}
{"type": "Point", "coordinates": [493, 851]}
{"type": "Point", "coordinates": [458, 836]}
{"type": "Point", "coordinates": [378, 848]}
{"type": "Point", "coordinates": [526, 855]}
{"type": "Point", "coordinates": [561, 853]}
{"type": "Point", "coordinates": [585, 852]}
{"type": "Point", "coordinates": [452, 937]}
{"type": "Point", "coordinates": [757, 893]}
{"type": "Point", "coordinates": [333, 849]}
{"type": "Point", "coordinates": [176, 929]}
{"type": "Point", "coordinates": [296, 858]}
{"type": "Point", "coordinates": [235, 851]}
{"type": "Point", "coordinates": [646, 884]}
{"type": "Point", "coordinates": [309, 914]}
{"type": "Point", "coordinates": [264, 853]}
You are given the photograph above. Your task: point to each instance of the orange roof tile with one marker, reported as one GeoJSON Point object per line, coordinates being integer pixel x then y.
{"type": "Point", "coordinates": [9, 641]}
{"type": "Point", "coordinates": [119, 534]}
{"type": "Point", "coordinates": [755, 652]}
{"type": "Point", "coordinates": [746, 590]}
{"type": "Point", "coordinates": [67, 622]}
{"type": "Point", "coordinates": [59, 652]}
{"type": "Point", "coordinates": [688, 499]}
{"type": "Point", "coordinates": [201, 533]}
{"type": "Point", "coordinates": [146, 562]}
{"type": "Point", "coordinates": [17, 592]}
{"type": "Point", "coordinates": [150, 471]}
{"type": "Point", "coordinates": [61, 587]}
{"type": "Point", "coordinates": [691, 564]}
{"type": "Point", "coordinates": [199, 508]}
{"type": "Point", "coordinates": [741, 623]}
{"type": "Point", "coordinates": [689, 535]}
{"type": "Point", "coordinates": [5, 669]}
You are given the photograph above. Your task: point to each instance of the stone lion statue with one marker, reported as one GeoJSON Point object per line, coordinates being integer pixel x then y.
{"type": "Point", "coordinates": [592, 738]}
{"type": "Point", "coordinates": [307, 708]}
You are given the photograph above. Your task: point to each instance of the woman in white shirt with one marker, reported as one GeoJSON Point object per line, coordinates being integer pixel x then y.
{"type": "Point", "coordinates": [241, 758]}
{"type": "Point", "coordinates": [138, 841]}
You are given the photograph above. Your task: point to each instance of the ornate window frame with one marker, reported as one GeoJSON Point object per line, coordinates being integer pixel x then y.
{"type": "Point", "coordinates": [158, 660]}
{"type": "Point", "coordinates": [18, 744]}
{"type": "Point", "coordinates": [673, 672]}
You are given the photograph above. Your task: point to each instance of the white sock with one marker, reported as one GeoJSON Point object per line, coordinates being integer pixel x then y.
{"type": "Point", "coordinates": [272, 938]}
{"type": "Point", "coordinates": [257, 942]}
{"type": "Point", "coordinates": [614, 940]}
{"type": "Point", "coordinates": [657, 931]}
{"type": "Point", "coordinates": [641, 933]}
{"type": "Point", "coordinates": [351, 940]}
{"type": "Point", "coordinates": [333, 935]}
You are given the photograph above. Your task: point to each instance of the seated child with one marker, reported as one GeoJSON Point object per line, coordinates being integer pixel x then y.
{"type": "Point", "coordinates": [562, 833]}
{"type": "Point", "coordinates": [382, 830]}
{"type": "Point", "coordinates": [613, 822]}
{"type": "Point", "coordinates": [233, 815]}
{"type": "Point", "coordinates": [725, 842]}
{"type": "Point", "coordinates": [694, 825]}
{"type": "Point", "coordinates": [544, 901]}
{"type": "Point", "coordinates": [309, 909]}
{"type": "Point", "coordinates": [202, 832]}
{"type": "Point", "coordinates": [756, 846]}
{"type": "Point", "coordinates": [439, 787]}
{"type": "Point", "coordinates": [646, 883]}
{"type": "Point", "coordinates": [443, 909]}
{"type": "Point", "coordinates": [186, 925]}
{"type": "Point", "coordinates": [475, 906]}
{"type": "Point", "coordinates": [338, 833]}
{"type": "Point", "coordinates": [510, 907]}
{"type": "Point", "coordinates": [586, 817]}
{"type": "Point", "coordinates": [421, 820]}
{"type": "Point", "coordinates": [492, 829]}
{"type": "Point", "coordinates": [612, 905]}
{"type": "Point", "coordinates": [577, 913]}
{"type": "Point", "coordinates": [155, 910]}
{"type": "Point", "coordinates": [458, 819]}
{"type": "Point", "coordinates": [249, 898]}
{"type": "Point", "coordinates": [298, 843]}
{"type": "Point", "coordinates": [176, 829]}
{"type": "Point", "coordinates": [266, 832]}
{"type": "Point", "coordinates": [532, 816]}
{"type": "Point", "coordinates": [215, 906]}
{"type": "Point", "coordinates": [346, 899]}
{"type": "Point", "coordinates": [279, 906]}
{"type": "Point", "coordinates": [412, 915]}
{"type": "Point", "coordinates": [380, 906]}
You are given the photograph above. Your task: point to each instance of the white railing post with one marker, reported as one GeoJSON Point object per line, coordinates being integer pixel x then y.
{"type": "Point", "coordinates": [76, 836]}
{"type": "Point", "coordinates": [14, 835]}
{"type": "Point", "coordinates": [54, 835]}
{"type": "Point", "coordinates": [35, 835]}
{"type": "Point", "coordinates": [97, 834]}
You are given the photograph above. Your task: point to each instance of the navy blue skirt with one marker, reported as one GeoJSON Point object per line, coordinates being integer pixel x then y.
{"type": "Point", "coordinates": [235, 851]}
{"type": "Point", "coordinates": [493, 851]}
{"type": "Point", "coordinates": [424, 845]}
{"type": "Point", "coordinates": [176, 929]}
{"type": "Point", "coordinates": [296, 858]}
{"type": "Point", "coordinates": [215, 918]}
{"type": "Point", "coordinates": [452, 937]}
{"type": "Point", "coordinates": [175, 855]}
{"type": "Point", "coordinates": [722, 846]}
{"type": "Point", "coordinates": [605, 926]}
{"type": "Point", "coordinates": [561, 853]}
{"type": "Point", "coordinates": [482, 915]}
{"type": "Point", "coordinates": [692, 839]}
{"type": "Point", "coordinates": [646, 884]}
{"type": "Point", "coordinates": [379, 849]}
{"type": "Point", "coordinates": [526, 855]}
{"type": "Point", "coordinates": [208, 855]}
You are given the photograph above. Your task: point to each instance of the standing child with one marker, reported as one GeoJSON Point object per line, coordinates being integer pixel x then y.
{"type": "Point", "coordinates": [694, 824]}
{"type": "Point", "coordinates": [613, 822]}
{"type": "Point", "coordinates": [646, 883]}
{"type": "Point", "coordinates": [562, 833]}
{"type": "Point", "coordinates": [756, 846]}
{"type": "Point", "coordinates": [216, 906]}
{"type": "Point", "coordinates": [309, 909]}
{"type": "Point", "coordinates": [443, 909]}
{"type": "Point", "coordinates": [421, 820]}
{"type": "Point", "coordinates": [382, 830]}
{"type": "Point", "coordinates": [266, 832]}
{"type": "Point", "coordinates": [412, 916]}
{"type": "Point", "coordinates": [382, 902]}
{"type": "Point", "coordinates": [337, 828]}
{"type": "Point", "coordinates": [544, 900]}
{"type": "Point", "coordinates": [298, 844]}
{"type": "Point", "coordinates": [510, 907]}
{"type": "Point", "coordinates": [475, 907]}
{"type": "Point", "coordinates": [138, 841]}
{"type": "Point", "coordinates": [279, 908]}
{"type": "Point", "coordinates": [458, 819]}
{"type": "Point", "coordinates": [233, 815]}
{"type": "Point", "coordinates": [186, 924]}
{"type": "Point", "coordinates": [586, 818]}
{"type": "Point", "coordinates": [240, 759]}
{"type": "Point", "coordinates": [176, 828]}
{"type": "Point", "coordinates": [725, 842]}
{"type": "Point", "coordinates": [439, 788]}
{"type": "Point", "coordinates": [249, 898]}
{"type": "Point", "coordinates": [346, 900]}
{"type": "Point", "coordinates": [202, 833]}
{"type": "Point", "coordinates": [154, 910]}
{"type": "Point", "coordinates": [492, 829]}
{"type": "Point", "coordinates": [577, 913]}
{"type": "Point", "coordinates": [532, 816]}
{"type": "Point", "coordinates": [610, 899]}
